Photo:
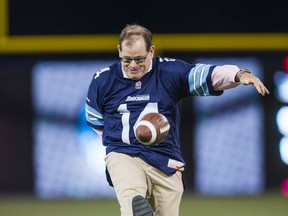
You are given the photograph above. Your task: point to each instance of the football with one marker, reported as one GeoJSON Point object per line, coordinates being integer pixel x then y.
{"type": "Point", "coordinates": [152, 129]}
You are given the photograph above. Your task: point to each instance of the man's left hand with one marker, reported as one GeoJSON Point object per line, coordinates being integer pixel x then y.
{"type": "Point", "coordinates": [250, 79]}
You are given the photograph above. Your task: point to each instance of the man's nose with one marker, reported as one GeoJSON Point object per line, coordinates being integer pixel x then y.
{"type": "Point", "coordinates": [133, 63]}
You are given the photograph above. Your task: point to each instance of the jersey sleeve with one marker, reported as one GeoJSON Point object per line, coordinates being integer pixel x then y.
{"type": "Point", "coordinates": [199, 80]}
{"type": "Point", "coordinates": [188, 79]}
{"type": "Point", "coordinates": [94, 101]}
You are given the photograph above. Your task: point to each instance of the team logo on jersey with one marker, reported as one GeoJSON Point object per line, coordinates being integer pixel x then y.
{"type": "Point", "coordinates": [138, 85]}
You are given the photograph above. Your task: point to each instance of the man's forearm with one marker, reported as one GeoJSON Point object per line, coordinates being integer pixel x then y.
{"type": "Point", "coordinates": [223, 77]}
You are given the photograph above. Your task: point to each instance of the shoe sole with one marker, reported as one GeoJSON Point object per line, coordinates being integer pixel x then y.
{"type": "Point", "coordinates": [141, 207]}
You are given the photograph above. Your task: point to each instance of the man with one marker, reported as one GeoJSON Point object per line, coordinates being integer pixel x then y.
{"type": "Point", "coordinates": [138, 84]}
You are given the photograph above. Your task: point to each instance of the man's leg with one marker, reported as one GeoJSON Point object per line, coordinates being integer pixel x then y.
{"type": "Point", "coordinates": [128, 178]}
{"type": "Point", "coordinates": [166, 193]}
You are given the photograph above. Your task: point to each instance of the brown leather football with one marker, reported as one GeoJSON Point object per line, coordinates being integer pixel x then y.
{"type": "Point", "coordinates": [152, 129]}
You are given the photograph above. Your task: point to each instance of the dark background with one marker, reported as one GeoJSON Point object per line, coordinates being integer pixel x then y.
{"type": "Point", "coordinates": [48, 17]}
{"type": "Point", "coordinates": [43, 17]}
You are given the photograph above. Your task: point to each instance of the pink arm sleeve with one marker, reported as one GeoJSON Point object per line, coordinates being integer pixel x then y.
{"type": "Point", "coordinates": [223, 77]}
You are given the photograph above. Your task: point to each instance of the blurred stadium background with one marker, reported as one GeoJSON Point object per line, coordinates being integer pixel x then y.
{"type": "Point", "coordinates": [51, 163]}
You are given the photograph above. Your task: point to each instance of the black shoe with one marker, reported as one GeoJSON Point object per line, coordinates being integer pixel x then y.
{"type": "Point", "coordinates": [141, 207]}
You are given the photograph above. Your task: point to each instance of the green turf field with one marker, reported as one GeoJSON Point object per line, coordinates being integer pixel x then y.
{"type": "Point", "coordinates": [268, 204]}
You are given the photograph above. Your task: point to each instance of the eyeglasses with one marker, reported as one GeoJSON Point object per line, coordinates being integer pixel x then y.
{"type": "Point", "coordinates": [138, 59]}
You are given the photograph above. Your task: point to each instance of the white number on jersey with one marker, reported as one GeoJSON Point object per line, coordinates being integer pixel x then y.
{"type": "Point", "coordinates": [122, 109]}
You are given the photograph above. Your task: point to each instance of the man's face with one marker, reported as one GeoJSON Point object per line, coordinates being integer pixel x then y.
{"type": "Point", "coordinates": [135, 59]}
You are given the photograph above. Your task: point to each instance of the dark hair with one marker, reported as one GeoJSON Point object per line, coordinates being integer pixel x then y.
{"type": "Point", "coordinates": [135, 29]}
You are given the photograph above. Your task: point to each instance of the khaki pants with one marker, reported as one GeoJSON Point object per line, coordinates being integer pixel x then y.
{"type": "Point", "coordinates": [131, 176]}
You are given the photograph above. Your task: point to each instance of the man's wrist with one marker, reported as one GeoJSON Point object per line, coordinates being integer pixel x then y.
{"type": "Point", "coordinates": [240, 73]}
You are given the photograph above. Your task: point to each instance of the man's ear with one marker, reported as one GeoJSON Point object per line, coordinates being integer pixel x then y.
{"type": "Point", "coordinates": [119, 50]}
{"type": "Point", "coordinates": [152, 50]}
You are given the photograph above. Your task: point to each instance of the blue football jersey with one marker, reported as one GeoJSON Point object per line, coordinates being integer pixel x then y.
{"type": "Point", "coordinates": [114, 104]}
